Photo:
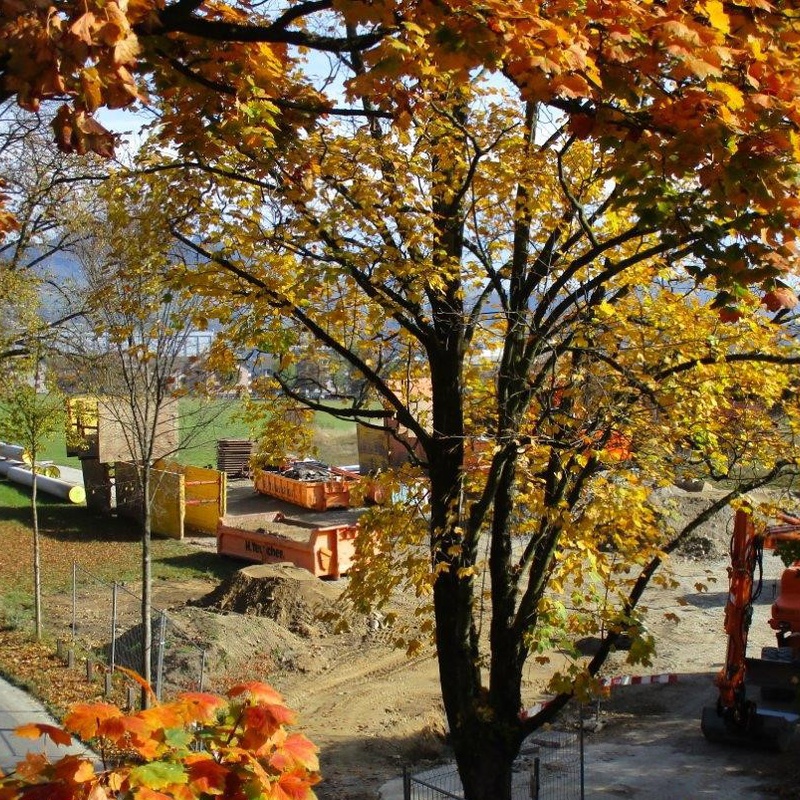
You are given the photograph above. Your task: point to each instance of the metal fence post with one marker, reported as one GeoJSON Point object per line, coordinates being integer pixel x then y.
{"type": "Point", "coordinates": [406, 784]}
{"type": "Point", "coordinates": [536, 778]}
{"type": "Point", "coordinates": [74, 598]}
{"type": "Point", "coordinates": [162, 640]}
{"type": "Point", "coordinates": [201, 687]}
{"type": "Point", "coordinates": [581, 751]}
{"type": "Point", "coordinates": [113, 626]}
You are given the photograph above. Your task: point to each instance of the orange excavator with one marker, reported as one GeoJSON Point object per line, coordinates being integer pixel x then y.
{"type": "Point", "coordinates": [737, 718]}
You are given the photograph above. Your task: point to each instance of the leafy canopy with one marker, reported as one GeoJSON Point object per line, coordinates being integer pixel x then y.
{"type": "Point", "coordinates": [700, 93]}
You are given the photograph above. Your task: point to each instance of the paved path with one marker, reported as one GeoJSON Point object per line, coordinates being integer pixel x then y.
{"type": "Point", "coordinates": [18, 708]}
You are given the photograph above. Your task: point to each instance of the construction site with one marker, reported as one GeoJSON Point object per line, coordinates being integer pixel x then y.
{"type": "Point", "coordinates": [374, 711]}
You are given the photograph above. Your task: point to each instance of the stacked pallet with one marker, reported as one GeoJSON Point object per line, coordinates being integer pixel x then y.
{"type": "Point", "coordinates": [233, 457]}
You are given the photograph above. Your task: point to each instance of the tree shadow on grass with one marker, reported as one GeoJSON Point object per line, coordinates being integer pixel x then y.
{"type": "Point", "coordinates": [69, 522]}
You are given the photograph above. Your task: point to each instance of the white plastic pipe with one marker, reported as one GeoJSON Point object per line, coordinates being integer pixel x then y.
{"type": "Point", "coordinates": [53, 486]}
{"type": "Point", "coordinates": [15, 451]}
{"type": "Point", "coordinates": [6, 464]}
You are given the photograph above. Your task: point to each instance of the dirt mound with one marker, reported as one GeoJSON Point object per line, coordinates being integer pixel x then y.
{"type": "Point", "coordinates": [291, 596]}
{"type": "Point", "coordinates": [241, 648]}
{"type": "Point", "coordinates": [711, 539]}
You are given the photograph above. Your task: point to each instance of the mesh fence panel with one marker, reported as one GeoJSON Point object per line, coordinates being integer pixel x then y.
{"type": "Point", "coordinates": [127, 645]}
{"type": "Point", "coordinates": [106, 622]}
{"type": "Point", "coordinates": [181, 662]}
{"type": "Point", "coordinates": [549, 767]}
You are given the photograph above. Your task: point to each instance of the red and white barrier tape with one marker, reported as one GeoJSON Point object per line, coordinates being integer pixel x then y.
{"type": "Point", "coordinates": [638, 680]}
{"type": "Point", "coordinates": [618, 680]}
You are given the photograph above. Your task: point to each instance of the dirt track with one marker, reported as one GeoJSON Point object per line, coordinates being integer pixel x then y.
{"type": "Point", "coordinates": [371, 710]}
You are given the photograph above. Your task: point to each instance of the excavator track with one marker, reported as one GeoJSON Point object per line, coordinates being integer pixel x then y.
{"type": "Point", "coordinates": [764, 731]}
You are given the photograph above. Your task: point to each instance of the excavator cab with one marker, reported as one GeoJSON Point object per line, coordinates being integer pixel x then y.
{"type": "Point", "coordinates": [738, 718]}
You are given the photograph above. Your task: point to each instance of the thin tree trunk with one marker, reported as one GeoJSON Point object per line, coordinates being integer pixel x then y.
{"type": "Point", "coordinates": [37, 571]}
{"type": "Point", "coordinates": [147, 630]}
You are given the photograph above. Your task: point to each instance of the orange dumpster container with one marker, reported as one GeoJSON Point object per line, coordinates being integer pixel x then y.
{"type": "Point", "coordinates": [325, 550]}
{"type": "Point", "coordinates": [317, 495]}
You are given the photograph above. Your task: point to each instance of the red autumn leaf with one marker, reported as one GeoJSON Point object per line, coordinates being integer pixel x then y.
{"type": "Point", "coordinates": [35, 730]}
{"type": "Point", "coordinates": [206, 776]}
{"type": "Point", "coordinates": [581, 125]}
{"type": "Point", "coordinates": [730, 314]}
{"type": "Point", "coordinates": [780, 297]}
{"type": "Point", "coordinates": [47, 791]}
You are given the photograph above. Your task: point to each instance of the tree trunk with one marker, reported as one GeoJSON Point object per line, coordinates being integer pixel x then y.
{"type": "Point", "coordinates": [37, 568]}
{"type": "Point", "coordinates": [484, 728]}
{"type": "Point", "coordinates": [485, 742]}
{"type": "Point", "coordinates": [485, 766]}
{"type": "Point", "coordinates": [147, 630]}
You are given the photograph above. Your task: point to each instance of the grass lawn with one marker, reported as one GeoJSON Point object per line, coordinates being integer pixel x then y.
{"type": "Point", "coordinates": [334, 438]}
{"type": "Point", "coordinates": [109, 549]}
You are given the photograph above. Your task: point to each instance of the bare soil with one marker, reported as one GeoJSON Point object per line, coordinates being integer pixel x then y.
{"type": "Point", "coordinates": [372, 710]}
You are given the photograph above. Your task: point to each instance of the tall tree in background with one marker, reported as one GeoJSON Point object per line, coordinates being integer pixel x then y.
{"type": "Point", "coordinates": [138, 334]}
{"type": "Point", "coordinates": [516, 246]}
{"type": "Point", "coordinates": [41, 187]}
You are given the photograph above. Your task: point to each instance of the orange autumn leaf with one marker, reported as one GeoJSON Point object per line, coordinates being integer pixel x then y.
{"type": "Point", "coordinates": [85, 719]}
{"type": "Point", "coordinates": [296, 751]}
{"type": "Point", "coordinates": [137, 678]}
{"type": "Point", "coordinates": [35, 730]}
{"type": "Point", "coordinates": [256, 692]}
{"type": "Point", "coordinates": [171, 759]}
{"type": "Point", "coordinates": [74, 769]}
{"type": "Point", "coordinates": [32, 766]}
{"type": "Point", "coordinates": [145, 793]}
{"type": "Point", "coordinates": [201, 706]}
{"type": "Point", "coordinates": [293, 786]}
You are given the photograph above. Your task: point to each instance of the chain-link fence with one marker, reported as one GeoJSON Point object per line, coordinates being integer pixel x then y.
{"type": "Point", "coordinates": [106, 621]}
{"type": "Point", "coordinates": [550, 766]}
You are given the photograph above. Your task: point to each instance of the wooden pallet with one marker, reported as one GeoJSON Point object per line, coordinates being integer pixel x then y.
{"type": "Point", "coordinates": [233, 457]}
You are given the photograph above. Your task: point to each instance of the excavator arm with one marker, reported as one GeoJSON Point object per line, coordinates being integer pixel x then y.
{"type": "Point", "coordinates": [736, 717]}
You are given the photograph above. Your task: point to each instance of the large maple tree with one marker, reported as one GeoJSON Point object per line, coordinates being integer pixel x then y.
{"type": "Point", "coordinates": [493, 214]}
{"type": "Point", "coordinates": [545, 348]}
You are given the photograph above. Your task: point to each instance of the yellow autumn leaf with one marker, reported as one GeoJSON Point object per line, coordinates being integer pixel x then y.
{"type": "Point", "coordinates": [734, 99]}
{"type": "Point", "coordinates": [715, 12]}
{"type": "Point", "coordinates": [605, 310]}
